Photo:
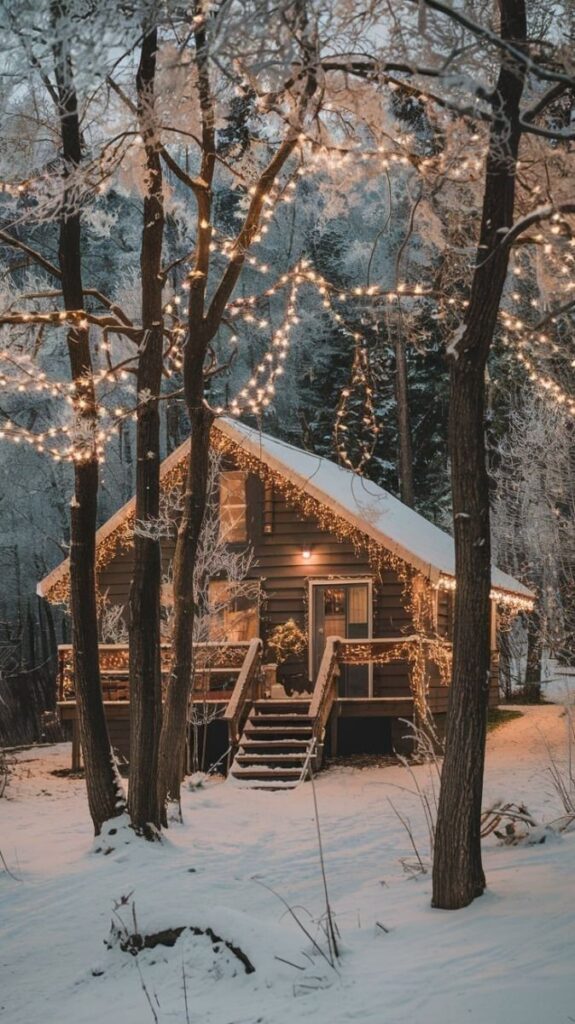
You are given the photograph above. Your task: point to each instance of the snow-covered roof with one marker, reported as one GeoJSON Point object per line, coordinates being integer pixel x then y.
{"type": "Point", "coordinates": [358, 501]}
{"type": "Point", "coordinates": [365, 505]}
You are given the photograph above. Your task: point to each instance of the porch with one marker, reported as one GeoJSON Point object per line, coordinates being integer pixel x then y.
{"type": "Point", "coordinates": [218, 667]}
{"type": "Point", "coordinates": [233, 688]}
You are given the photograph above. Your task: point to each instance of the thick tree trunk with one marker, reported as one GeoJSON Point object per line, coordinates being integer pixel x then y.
{"type": "Point", "coordinates": [405, 445]}
{"type": "Point", "coordinates": [202, 328]}
{"type": "Point", "coordinates": [105, 796]}
{"type": "Point", "coordinates": [145, 669]}
{"type": "Point", "coordinates": [200, 334]}
{"type": "Point", "coordinates": [458, 873]}
{"type": "Point", "coordinates": [457, 869]}
{"type": "Point", "coordinates": [174, 725]}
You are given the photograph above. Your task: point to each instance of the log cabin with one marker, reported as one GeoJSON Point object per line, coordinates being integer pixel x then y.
{"type": "Point", "coordinates": [342, 638]}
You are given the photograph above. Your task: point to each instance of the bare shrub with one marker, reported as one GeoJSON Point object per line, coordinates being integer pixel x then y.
{"type": "Point", "coordinates": [511, 823]}
{"type": "Point", "coordinates": [562, 770]}
{"type": "Point", "coordinates": [4, 772]}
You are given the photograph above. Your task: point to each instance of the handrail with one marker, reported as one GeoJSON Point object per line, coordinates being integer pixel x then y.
{"type": "Point", "coordinates": [310, 752]}
{"type": "Point", "coordinates": [242, 690]}
{"type": "Point", "coordinates": [340, 651]}
{"type": "Point", "coordinates": [61, 675]}
{"type": "Point", "coordinates": [362, 651]}
{"type": "Point", "coordinates": [324, 691]}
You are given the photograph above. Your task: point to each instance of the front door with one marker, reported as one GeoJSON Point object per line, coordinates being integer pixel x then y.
{"type": "Point", "coordinates": [341, 608]}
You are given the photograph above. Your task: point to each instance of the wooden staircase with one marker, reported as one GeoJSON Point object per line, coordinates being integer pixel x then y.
{"type": "Point", "coordinates": [276, 743]}
{"type": "Point", "coordinates": [276, 746]}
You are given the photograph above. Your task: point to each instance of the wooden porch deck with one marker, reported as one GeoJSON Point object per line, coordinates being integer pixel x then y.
{"type": "Point", "coordinates": [230, 682]}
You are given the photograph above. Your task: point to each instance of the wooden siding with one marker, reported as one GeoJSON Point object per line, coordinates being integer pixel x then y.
{"type": "Point", "coordinates": [285, 576]}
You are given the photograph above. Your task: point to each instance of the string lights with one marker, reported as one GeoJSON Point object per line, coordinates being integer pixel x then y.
{"type": "Point", "coordinates": [511, 602]}
{"type": "Point", "coordinates": [428, 654]}
{"type": "Point", "coordinates": [258, 392]}
{"type": "Point", "coordinates": [260, 389]}
{"type": "Point", "coordinates": [419, 594]}
{"type": "Point", "coordinates": [360, 385]}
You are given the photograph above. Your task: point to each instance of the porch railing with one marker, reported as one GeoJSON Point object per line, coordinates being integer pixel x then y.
{"type": "Point", "coordinates": [381, 649]}
{"type": "Point", "coordinates": [213, 661]}
{"type": "Point", "coordinates": [246, 690]}
{"type": "Point", "coordinates": [377, 650]}
{"type": "Point", "coordinates": [325, 689]}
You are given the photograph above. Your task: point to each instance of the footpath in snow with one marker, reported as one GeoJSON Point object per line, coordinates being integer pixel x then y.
{"type": "Point", "coordinates": [507, 959]}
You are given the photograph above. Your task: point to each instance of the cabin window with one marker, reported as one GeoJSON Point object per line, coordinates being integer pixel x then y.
{"type": "Point", "coordinates": [234, 611]}
{"type": "Point", "coordinates": [358, 612]}
{"type": "Point", "coordinates": [233, 507]}
{"type": "Point", "coordinates": [231, 615]}
{"type": "Point", "coordinates": [268, 508]}
{"type": "Point", "coordinates": [450, 615]}
{"type": "Point", "coordinates": [445, 612]}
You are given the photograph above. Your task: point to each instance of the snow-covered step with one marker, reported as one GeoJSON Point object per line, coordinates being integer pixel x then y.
{"type": "Point", "coordinates": [275, 744]}
{"type": "Point", "coordinates": [264, 721]}
{"type": "Point", "coordinates": [271, 759]}
{"type": "Point", "coordinates": [271, 706]}
{"type": "Point", "coordinates": [276, 730]}
{"type": "Point", "coordinates": [265, 772]}
{"type": "Point", "coordinates": [274, 786]}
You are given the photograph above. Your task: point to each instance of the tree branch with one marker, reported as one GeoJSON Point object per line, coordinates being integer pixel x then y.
{"type": "Point", "coordinates": [37, 257]}
{"type": "Point", "coordinates": [552, 94]}
{"type": "Point", "coordinates": [246, 234]}
{"type": "Point", "coordinates": [519, 55]}
{"type": "Point", "coordinates": [535, 217]}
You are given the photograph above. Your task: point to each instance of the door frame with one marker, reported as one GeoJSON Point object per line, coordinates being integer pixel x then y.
{"type": "Point", "coordinates": [325, 581]}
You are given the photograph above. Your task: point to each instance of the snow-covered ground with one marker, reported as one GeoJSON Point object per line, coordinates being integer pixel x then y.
{"type": "Point", "coordinates": [507, 959]}
{"type": "Point", "coordinates": [558, 682]}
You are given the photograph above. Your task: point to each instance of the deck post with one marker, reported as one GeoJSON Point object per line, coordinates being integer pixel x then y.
{"type": "Point", "coordinates": [76, 763]}
{"type": "Point", "coordinates": [333, 726]}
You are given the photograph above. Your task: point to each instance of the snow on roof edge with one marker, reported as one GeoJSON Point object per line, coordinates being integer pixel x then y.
{"type": "Point", "coordinates": [306, 484]}
{"type": "Point", "coordinates": [254, 442]}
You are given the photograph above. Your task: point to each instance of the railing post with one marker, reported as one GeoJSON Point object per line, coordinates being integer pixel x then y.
{"type": "Point", "coordinates": [60, 674]}
{"type": "Point", "coordinates": [245, 687]}
{"type": "Point", "coordinates": [323, 694]}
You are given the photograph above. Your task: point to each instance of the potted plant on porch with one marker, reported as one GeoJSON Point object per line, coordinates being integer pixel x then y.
{"type": "Point", "coordinates": [285, 644]}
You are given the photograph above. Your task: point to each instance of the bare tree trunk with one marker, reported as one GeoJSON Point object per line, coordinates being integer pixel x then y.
{"type": "Point", "coordinates": [405, 453]}
{"type": "Point", "coordinates": [505, 682]}
{"type": "Point", "coordinates": [457, 868]}
{"type": "Point", "coordinates": [105, 796]}
{"type": "Point", "coordinates": [174, 725]}
{"type": "Point", "coordinates": [145, 668]}
{"type": "Point", "coordinates": [200, 334]}
{"type": "Point", "coordinates": [202, 327]}
{"type": "Point", "coordinates": [532, 688]}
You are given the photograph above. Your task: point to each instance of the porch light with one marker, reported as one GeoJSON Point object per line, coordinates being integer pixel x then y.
{"type": "Point", "coordinates": [306, 552]}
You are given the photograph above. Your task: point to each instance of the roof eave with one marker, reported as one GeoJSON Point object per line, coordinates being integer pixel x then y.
{"type": "Point", "coordinates": [304, 483]}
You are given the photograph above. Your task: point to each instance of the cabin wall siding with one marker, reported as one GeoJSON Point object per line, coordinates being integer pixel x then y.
{"type": "Point", "coordinates": [286, 579]}
{"type": "Point", "coordinates": [285, 576]}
